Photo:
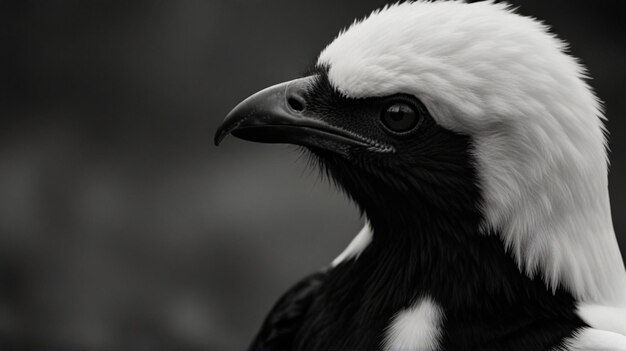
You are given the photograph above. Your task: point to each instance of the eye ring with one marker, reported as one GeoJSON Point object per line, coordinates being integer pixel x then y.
{"type": "Point", "coordinates": [400, 117]}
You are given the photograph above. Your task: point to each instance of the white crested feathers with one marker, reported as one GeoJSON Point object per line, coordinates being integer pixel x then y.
{"type": "Point", "coordinates": [536, 125]}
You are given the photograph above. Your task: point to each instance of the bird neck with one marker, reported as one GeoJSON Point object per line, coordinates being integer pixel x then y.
{"type": "Point", "coordinates": [446, 258]}
{"type": "Point", "coordinates": [468, 275]}
{"type": "Point", "coordinates": [427, 242]}
{"type": "Point", "coordinates": [430, 243]}
{"type": "Point", "coordinates": [440, 253]}
{"type": "Point", "coordinates": [427, 239]}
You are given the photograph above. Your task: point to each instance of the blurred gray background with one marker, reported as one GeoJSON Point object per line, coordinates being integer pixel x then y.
{"type": "Point", "coordinates": [122, 226]}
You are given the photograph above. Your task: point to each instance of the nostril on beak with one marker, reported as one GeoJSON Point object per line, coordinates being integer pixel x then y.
{"type": "Point", "coordinates": [296, 103]}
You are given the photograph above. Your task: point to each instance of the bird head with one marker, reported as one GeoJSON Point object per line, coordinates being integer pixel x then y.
{"type": "Point", "coordinates": [467, 110]}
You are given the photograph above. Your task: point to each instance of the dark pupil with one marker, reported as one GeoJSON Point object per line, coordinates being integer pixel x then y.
{"type": "Point", "coordinates": [400, 117]}
{"type": "Point", "coordinates": [397, 115]}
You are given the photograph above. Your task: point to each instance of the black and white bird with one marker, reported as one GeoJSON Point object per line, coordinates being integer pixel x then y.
{"type": "Point", "coordinates": [476, 151]}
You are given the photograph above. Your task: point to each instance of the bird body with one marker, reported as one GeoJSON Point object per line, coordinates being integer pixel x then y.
{"type": "Point", "coordinates": [475, 149]}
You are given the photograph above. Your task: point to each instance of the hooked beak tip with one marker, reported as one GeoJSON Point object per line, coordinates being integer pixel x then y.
{"type": "Point", "coordinates": [219, 136]}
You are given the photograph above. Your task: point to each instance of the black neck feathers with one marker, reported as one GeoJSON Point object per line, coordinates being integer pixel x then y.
{"type": "Point", "coordinates": [427, 242]}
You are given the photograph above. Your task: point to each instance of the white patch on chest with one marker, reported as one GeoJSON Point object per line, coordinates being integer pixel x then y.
{"type": "Point", "coordinates": [417, 328]}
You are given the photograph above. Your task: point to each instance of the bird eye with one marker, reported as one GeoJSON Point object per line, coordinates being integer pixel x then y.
{"type": "Point", "coordinates": [400, 117]}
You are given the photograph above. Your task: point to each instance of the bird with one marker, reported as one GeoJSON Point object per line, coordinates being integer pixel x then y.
{"type": "Point", "coordinates": [470, 140]}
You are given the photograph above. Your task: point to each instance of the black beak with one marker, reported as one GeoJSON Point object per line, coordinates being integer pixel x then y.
{"type": "Point", "coordinates": [279, 114]}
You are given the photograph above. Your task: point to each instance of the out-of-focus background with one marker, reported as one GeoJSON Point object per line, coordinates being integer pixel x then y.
{"type": "Point", "coordinates": [122, 226]}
